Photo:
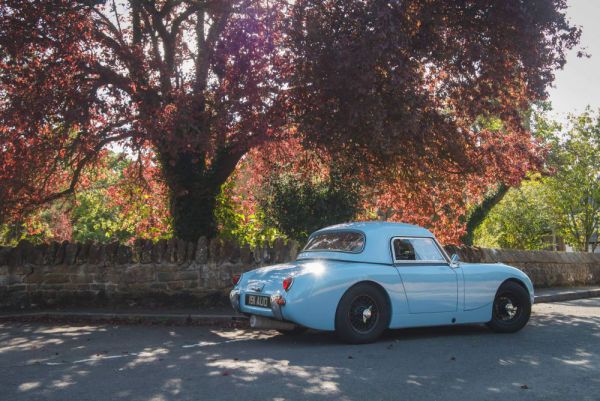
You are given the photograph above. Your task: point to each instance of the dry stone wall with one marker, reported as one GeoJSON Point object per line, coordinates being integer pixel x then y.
{"type": "Point", "coordinates": [177, 273]}
{"type": "Point", "coordinates": [545, 268]}
{"type": "Point", "coordinates": [170, 272]}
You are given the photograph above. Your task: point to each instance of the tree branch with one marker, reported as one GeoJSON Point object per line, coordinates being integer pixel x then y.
{"type": "Point", "coordinates": [81, 165]}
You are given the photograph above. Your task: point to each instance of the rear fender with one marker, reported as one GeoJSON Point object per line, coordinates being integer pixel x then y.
{"type": "Point", "coordinates": [314, 297]}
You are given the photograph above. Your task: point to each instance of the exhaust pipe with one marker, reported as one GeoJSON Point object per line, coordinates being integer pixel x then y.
{"type": "Point", "coordinates": [263, 323]}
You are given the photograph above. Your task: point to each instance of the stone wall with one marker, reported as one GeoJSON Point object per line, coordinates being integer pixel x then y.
{"type": "Point", "coordinates": [171, 272]}
{"type": "Point", "coordinates": [178, 273]}
{"type": "Point", "coordinates": [545, 268]}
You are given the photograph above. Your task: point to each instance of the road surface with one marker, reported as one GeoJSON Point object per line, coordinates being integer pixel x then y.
{"type": "Point", "coordinates": [557, 356]}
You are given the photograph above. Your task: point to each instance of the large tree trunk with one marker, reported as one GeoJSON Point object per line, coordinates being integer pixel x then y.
{"type": "Point", "coordinates": [193, 189]}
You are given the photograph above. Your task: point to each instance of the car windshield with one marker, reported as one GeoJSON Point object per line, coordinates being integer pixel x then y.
{"type": "Point", "coordinates": [340, 241]}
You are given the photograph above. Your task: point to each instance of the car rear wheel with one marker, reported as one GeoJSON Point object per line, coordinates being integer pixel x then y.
{"type": "Point", "coordinates": [511, 309]}
{"type": "Point", "coordinates": [362, 314]}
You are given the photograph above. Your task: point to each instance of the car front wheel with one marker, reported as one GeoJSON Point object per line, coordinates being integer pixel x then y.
{"type": "Point", "coordinates": [511, 309]}
{"type": "Point", "coordinates": [362, 314]}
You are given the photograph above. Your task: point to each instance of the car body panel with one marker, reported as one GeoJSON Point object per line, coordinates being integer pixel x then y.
{"type": "Point", "coordinates": [420, 294]}
{"type": "Point", "coordinates": [430, 288]}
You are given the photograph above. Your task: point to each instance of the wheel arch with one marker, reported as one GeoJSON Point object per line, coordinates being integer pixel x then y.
{"type": "Point", "coordinates": [516, 281]}
{"type": "Point", "coordinates": [380, 288]}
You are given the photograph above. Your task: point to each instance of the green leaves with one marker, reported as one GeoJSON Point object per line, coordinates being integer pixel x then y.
{"type": "Point", "coordinates": [298, 207]}
{"type": "Point", "coordinates": [565, 203]}
{"type": "Point", "coordinates": [574, 191]}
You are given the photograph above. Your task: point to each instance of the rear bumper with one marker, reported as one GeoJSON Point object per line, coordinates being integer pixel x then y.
{"type": "Point", "coordinates": [234, 298]}
{"type": "Point", "coordinates": [275, 311]}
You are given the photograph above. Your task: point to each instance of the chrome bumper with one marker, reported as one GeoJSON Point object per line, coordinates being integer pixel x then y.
{"type": "Point", "coordinates": [275, 307]}
{"type": "Point", "coordinates": [234, 298]}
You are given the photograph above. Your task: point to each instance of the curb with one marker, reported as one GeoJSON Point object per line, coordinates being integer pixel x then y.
{"type": "Point", "coordinates": [567, 296]}
{"type": "Point", "coordinates": [129, 318]}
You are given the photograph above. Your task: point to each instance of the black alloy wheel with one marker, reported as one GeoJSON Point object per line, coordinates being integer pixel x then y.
{"type": "Point", "coordinates": [362, 314]}
{"type": "Point", "coordinates": [511, 308]}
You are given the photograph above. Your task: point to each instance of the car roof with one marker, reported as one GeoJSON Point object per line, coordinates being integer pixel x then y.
{"type": "Point", "coordinates": [377, 245]}
{"type": "Point", "coordinates": [381, 228]}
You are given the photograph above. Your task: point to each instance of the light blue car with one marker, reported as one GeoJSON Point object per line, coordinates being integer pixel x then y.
{"type": "Point", "coordinates": [359, 279]}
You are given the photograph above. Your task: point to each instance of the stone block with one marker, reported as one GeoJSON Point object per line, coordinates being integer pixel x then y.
{"type": "Point", "coordinates": [158, 286]}
{"type": "Point", "coordinates": [71, 251]}
{"type": "Point", "coordinates": [176, 285]}
{"type": "Point", "coordinates": [158, 251]}
{"type": "Point", "coordinates": [186, 275]}
{"type": "Point", "coordinates": [181, 251]}
{"type": "Point", "coordinates": [49, 256]}
{"type": "Point", "coordinates": [55, 278]}
{"type": "Point", "coordinates": [136, 250]}
{"type": "Point", "coordinates": [171, 251]}
{"type": "Point", "coordinates": [190, 252]}
{"type": "Point", "coordinates": [163, 276]}
{"type": "Point", "coordinates": [139, 274]}
{"type": "Point", "coordinates": [124, 255]}
{"type": "Point", "coordinates": [95, 253]}
{"type": "Point", "coordinates": [147, 249]}
{"type": "Point", "coordinates": [84, 252]}
{"type": "Point", "coordinates": [201, 255]}
{"type": "Point", "coordinates": [109, 253]}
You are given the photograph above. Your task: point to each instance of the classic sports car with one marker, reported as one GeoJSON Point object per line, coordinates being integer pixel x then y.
{"type": "Point", "coordinates": [359, 279]}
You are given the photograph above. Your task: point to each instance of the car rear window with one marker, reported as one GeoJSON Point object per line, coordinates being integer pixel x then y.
{"type": "Point", "coordinates": [338, 241]}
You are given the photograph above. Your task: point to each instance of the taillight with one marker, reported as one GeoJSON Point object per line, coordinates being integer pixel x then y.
{"type": "Point", "coordinates": [287, 283]}
{"type": "Point", "coordinates": [235, 279]}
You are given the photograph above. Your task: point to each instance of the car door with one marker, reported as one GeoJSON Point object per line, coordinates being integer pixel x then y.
{"type": "Point", "coordinates": [431, 285]}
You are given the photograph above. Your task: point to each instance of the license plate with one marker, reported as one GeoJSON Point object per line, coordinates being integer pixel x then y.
{"type": "Point", "coordinates": [258, 300]}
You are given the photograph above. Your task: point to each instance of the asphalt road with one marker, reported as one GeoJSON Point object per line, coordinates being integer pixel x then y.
{"type": "Point", "coordinates": [557, 356]}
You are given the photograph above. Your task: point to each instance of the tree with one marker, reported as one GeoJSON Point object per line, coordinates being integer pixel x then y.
{"type": "Point", "coordinates": [240, 218]}
{"type": "Point", "coordinates": [198, 82]}
{"type": "Point", "coordinates": [403, 86]}
{"type": "Point", "coordinates": [565, 202]}
{"type": "Point", "coordinates": [114, 202]}
{"type": "Point", "coordinates": [381, 84]}
{"type": "Point", "coordinates": [574, 191]}
{"type": "Point", "coordinates": [298, 207]}
{"type": "Point", "coordinates": [521, 220]}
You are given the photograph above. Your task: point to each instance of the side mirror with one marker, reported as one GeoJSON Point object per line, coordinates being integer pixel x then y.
{"type": "Point", "coordinates": [454, 261]}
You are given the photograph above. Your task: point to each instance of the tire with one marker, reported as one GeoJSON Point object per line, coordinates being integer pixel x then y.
{"type": "Point", "coordinates": [511, 308]}
{"type": "Point", "coordinates": [295, 331]}
{"type": "Point", "coordinates": [356, 326]}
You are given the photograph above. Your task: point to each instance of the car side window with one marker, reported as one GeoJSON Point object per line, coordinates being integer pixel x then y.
{"type": "Point", "coordinates": [403, 249]}
{"type": "Point", "coordinates": [416, 249]}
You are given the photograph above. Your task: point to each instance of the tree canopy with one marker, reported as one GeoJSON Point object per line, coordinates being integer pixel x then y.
{"type": "Point", "coordinates": [395, 89]}
{"type": "Point", "coordinates": [565, 202]}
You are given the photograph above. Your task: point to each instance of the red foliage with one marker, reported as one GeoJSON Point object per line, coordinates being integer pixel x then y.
{"type": "Point", "coordinates": [142, 198]}
{"type": "Point", "coordinates": [199, 82]}
{"type": "Point", "coordinates": [392, 89]}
